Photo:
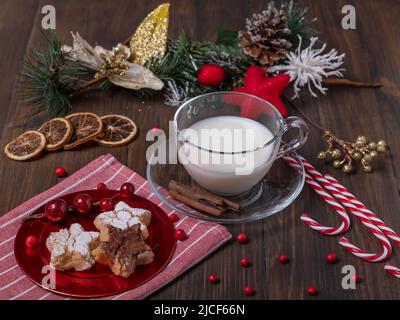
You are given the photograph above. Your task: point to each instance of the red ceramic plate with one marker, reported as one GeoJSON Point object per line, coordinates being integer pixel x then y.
{"type": "Point", "coordinates": [98, 281]}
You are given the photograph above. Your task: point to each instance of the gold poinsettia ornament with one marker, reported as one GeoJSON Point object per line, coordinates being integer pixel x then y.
{"type": "Point", "coordinates": [113, 64]}
{"type": "Point", "coordinates": [150, 38]}
{"type": "Point", "coordinates": [123, 65]}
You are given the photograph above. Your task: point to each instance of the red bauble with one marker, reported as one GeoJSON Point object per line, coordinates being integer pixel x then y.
{"type": "Point", "coordinates": [83, 203]}
{"type": "Point", "coordinates": [257, 83]}
{"type": "Point", "coordinates": [213, 278]}
{"type": "Point", "coordinates": [211, 75]}
{"type": "Point", "coordinates": [312, 291]}
{"type": "Point", "coordinates": [244, 262]}
{"type": "Point", "coordinates": [248, 291]}
{"type": "Point", "coordinates": [173, 218]}
{"type": "Point", "coordinates": [101, 186]}
{"type": "Point", "coordinates": [106, 205]}
{"type": "Point", "coordinates": [127, 190]}
{"type": "Point", "coordinates": [331, 258]}
{"type": "Point", "coordinates": [30, 241]}
{"type": "Point", "coordinates": [242, 238]}
{"type": "Point", "coordinates": [283, 258]}
{"type": "Point", "coordinates": [60, 172]}
{"type": "Point", "coordinates": [180, 235]}
{"type": "Point", "coordinates": [56, 210]}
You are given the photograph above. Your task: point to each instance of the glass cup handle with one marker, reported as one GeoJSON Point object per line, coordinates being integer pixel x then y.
{"type": "Point", "coordinates": [297, 141]}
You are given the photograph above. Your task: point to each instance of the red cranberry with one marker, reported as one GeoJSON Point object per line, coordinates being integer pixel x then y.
{"type": "Point", "coordinates": [101, 186]}
{"type": "Point", "coordinates": [83, 203]}
{"type": "Point", "coordinates": [56, 210]}
{"type": "Point", "coordinates": [106, 205]}
{"type": "Point", "coordinates": [242, 238]}
{"type": "Point", "coordinates": [127, 190]}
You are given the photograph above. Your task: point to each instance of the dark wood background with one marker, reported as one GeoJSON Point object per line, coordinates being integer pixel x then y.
{"type": "Point", "coordinates": [372, 54]}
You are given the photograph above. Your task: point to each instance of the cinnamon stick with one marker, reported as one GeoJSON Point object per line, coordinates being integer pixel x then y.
{"type": "Point", "coordinates": [195, 204]}
{"type": "Point", "coordinates": [336, 82]}
{"type": "Point", "coordinates": [190, 192]}
{"type": "Point", "coordinates": [197, 193]}
{"type": "Point", "coordinates": [231, 204]}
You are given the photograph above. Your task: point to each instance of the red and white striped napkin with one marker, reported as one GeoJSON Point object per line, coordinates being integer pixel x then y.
{"type": "Point", "coordinates": [203, 237]}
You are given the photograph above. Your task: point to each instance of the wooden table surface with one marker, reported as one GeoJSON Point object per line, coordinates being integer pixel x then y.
{"type": "Point", "coordinates": [372, 53]}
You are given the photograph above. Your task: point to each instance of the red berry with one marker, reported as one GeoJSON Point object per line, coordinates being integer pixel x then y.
{"type": "Point", "coordinates": [213, 278]}
{"type": "Point", "coordinates": [56, 210]}
{"type": "Point", "coordinates": [155, 129]}
{"type": "Point", "coordinates": [101, 186]}
{"type": "Point", "coordinates": [248, 291]}
{"type": "Point", "coordinates": [242, 238]}
{"type": "Point", "coordinates": [244, 262]}
{"type": "Point", "coordinates": [106, 205]}
{"type": "Point", "coordinates": [312, 291]}
{"type": "Point", "coordinates": [83, 203]}
{"type": "Point", "coordinates": [173, 217]}
{"type": "Point", "coordinates": [127, 190]}
{"type": "Point", "coordinates": [60, 172]}
{"type": "Point", "coordinates": [283, 258]}
{"type": "Point", "coordinates": [211, 75]}
{"type": "Point", "coordinates": [30, 241]}
{"type": "Point", "coordinates": [331, 258]}
{"type": "Point", "coordinates": [180, 235]}
{"type": "Point", "coordinates": [356, 278]}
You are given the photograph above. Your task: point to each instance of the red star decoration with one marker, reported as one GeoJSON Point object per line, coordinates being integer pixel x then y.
{"type": "Point", "coordinates": [257, 83]}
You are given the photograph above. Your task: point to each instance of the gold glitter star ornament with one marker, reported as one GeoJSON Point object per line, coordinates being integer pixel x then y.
{"type": "Point", "coordinates": [150, 38]}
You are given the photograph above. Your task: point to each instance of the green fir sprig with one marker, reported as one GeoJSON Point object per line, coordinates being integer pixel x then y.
{"type": "Point", "coordinates": [185, 56]}
{"type": "Point", "coordinates": [49, 78]}
{"type": "Point", "coordinates": [298, 23]}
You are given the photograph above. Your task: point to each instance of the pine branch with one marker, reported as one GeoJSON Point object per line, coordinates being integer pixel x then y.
{"type": "Point", "coordinates": [184, 57]}
{"type": "Point", "coordinates": [298, 23]}
{"type": "Point", "coordinates": [49, 78]}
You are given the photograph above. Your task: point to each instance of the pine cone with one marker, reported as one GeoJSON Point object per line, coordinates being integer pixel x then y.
{"type": "Point", "coordinates": [265, 35]}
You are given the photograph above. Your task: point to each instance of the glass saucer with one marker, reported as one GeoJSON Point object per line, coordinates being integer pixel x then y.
{"type": "Point", "coordinates": [278, 189]}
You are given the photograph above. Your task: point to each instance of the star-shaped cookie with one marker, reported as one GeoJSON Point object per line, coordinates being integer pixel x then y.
{"type": "Point", "coordinates": [122, 217]}
{"type": "Point", "coordinates": [72, 248]}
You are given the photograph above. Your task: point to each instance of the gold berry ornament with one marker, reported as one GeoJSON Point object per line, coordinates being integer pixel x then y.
{"type": "Point", "coordinates": [343, 154]}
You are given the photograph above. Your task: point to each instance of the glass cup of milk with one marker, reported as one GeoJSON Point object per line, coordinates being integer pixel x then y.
{"type": "Point", "coordinates": [228, 141]}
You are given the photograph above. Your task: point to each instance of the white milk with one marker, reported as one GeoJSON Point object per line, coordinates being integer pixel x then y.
{"type": "Point", "coordinates": [227, 173]}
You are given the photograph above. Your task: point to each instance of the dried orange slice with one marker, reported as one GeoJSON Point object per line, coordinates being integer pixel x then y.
{"type": "Point", "coordinates": [57, 132]}
{"type": "Point", "coordinates": [117, 131]}
{"type": "Point", "coordinates": [87, 126]}
{"type": "Point", "coordinates": [26, 146]}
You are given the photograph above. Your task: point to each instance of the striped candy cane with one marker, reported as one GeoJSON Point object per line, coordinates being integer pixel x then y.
{"type": "Point", "coordinates": [370, 257]}
{"type": "Point", "coordinates": [390, 233]}
{"type": "Point", "coordinates": [330, 231]}
{"type": "Point", "coordinates": [392, 270]}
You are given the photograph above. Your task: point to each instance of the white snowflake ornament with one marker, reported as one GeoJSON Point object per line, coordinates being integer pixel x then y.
{"type": "Point", "coordinates": [308, 67]}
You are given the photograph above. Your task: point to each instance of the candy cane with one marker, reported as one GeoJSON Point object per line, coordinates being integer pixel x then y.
{"type": "Point", "coordinates": [330, 231]}
{"type": "Point", "coordinates": [370, 257]}
{"type": "Point", "coordinates": [392, 270]}
{"type": "Point", "coordinates": [390, 233]}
